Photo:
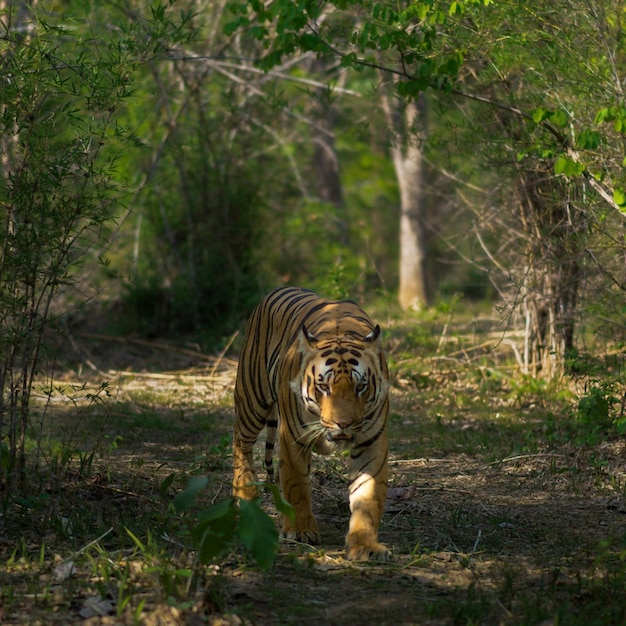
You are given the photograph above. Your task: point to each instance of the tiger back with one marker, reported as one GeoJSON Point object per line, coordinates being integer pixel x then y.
{"type": "Point", "coordinates": [314, 370]}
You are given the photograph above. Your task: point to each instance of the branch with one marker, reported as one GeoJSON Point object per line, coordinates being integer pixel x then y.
{"type": "Point", "coordinates": [223, 69]}
{"type": "Point", "coordinates": [605, 193]}
{"type": "Point", "coordinates": [228, 65]}
{"type": "Point", "coordinates": [595, 184]}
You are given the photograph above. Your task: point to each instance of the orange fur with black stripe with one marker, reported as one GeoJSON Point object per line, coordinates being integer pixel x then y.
{"type": "Point", "coordinates": [314, 370]}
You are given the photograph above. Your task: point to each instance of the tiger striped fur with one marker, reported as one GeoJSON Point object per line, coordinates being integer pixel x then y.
{"type": "Point", "coordinates": [314, 370]}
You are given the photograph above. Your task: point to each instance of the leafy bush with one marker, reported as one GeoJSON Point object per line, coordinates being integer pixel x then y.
{"type": "Point", "coordinates": [229, 522]}
{"type": "Point", "coordinates": [601, 407]}
{"type": "Point", "coordinates": [64, 85]}
{"type": "Point", "coordinates": [60, 146]}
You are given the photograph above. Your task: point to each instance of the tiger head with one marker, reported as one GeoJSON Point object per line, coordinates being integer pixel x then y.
{"type": "Point", "coordinates": [340, 383]}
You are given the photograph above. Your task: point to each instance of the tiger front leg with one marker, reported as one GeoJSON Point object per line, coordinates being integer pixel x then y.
{"type": "Point", "coordinates": [244, 475]}
{"type": "Point", "coordinates": [368, 492]}
{"type": "Point", "coordinates": [295, 480]}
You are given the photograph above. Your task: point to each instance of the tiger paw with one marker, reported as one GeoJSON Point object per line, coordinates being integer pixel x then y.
{"type": "Point", "coordinates": [304, 535]}
{"type": "Point", "coordinates": [308, 536]}
{"type": "Point", "coordinates": [368, 551]}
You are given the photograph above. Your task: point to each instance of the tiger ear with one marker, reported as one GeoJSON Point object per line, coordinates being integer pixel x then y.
{"type": "Point", "coordinates": [308, 335]}
{"type": "Point", "coordinates": [373, 336]}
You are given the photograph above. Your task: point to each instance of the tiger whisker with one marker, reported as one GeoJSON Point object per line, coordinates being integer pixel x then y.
{"type": "Point", "coordinates": [310, 434]}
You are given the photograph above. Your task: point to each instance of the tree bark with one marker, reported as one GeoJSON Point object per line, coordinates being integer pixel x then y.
{"type": "Point", "coordinates": [550, 280]}
{"type": "Point", "coordinates": [406, 122]}
{"type": "Point", "coordinates": [325, 158]}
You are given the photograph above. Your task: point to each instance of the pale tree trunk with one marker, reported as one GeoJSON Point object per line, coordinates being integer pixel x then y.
{"type": "Point", "coordinates": [406, 122]}
{"type": "Point", "coordinates": [412, 290]}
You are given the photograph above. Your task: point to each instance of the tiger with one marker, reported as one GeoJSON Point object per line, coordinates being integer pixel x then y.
{"type": "Point", "coordinates": [314, 370]}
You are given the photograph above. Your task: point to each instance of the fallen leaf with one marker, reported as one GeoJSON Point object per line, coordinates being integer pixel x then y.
{"type": "Point", "coordinates": [97, 606]}
{"type": "Point", "coordinates": [401, 493]}
{"type": "Point", "coordinates": [63, 571]}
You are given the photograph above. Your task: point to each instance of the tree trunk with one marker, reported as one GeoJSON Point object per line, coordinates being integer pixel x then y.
{"type": "Point", "coordinates": [326, 162]}
{"type": "Point", "coordinates": [550, 281]}
{"type": "Point", "coordinates": [406, 122]}
{"type": "Point", "coordinates": [412, 290]}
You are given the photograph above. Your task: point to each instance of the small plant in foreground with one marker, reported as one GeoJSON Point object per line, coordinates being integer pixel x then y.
{"type": "Point", "coordinates": [230, 522]}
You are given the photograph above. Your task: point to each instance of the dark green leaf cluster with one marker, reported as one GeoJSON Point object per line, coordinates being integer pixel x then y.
{"type": "Point", "coordinates": [410, 32]}
{"type": "Point", "coordinates": [282, 26]}
{"type": "Point", "coordinates": [230, 522]}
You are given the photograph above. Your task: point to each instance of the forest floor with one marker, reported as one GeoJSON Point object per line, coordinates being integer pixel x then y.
{"type": "Point", "coordinates": [503, 508]}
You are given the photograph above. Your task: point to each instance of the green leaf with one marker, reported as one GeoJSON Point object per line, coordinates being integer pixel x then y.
{"type": "Point", "coordinates": [313, 9]}
{"type": "Point", "coordinates": [310, 42]}
{"type": "Point", "coordinates": [559, 118]}
{"type": "Point", "coordinates": [215, 531]}
{"type": "Point", "coordinates": [438, 17]}
{"type": "Point", "coordinates": [212, 539]}
{"type": "Point", "coordinates": [238, 7]}
{"type": "Point", "coordinates": [233, 26]}
{"type": "Point", "coordinates": [619, 196]}
{"type": "Point", "coordinates": [347, 60]}
{"type": "Point", "coordinates": [258, 533]}
{"type": "Point", "coordinates": [282, 506]}
{"type": "Point", "coordinates": [568, 167]}
{"type": "Point", "coordinates": [412, 87]}
{"type": "Point", "coordinates": [184, 499]}
{"type": "Point", "coordinates": [601, 116]}
{"type": "Point", "coordinates": [451, 66]}
{"type": "Point", "coordinates": [258, 32]}
{"type": "Point", "coordinates": [560, 165]}
{"type": "Point", "coordinates": [218, 510]}
{"type": "Point", "coordinates": [271, 60]}
{"type": "Point", "coordinates": [136, 540]}
{"type": "Point", "coordinates": [166, 483]}
{"type": "Point", "coordinates": [588, 139]}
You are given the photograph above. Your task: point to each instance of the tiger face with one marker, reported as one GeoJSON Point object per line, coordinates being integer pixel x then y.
{"type": "Point", "coordinates": [339, 386]}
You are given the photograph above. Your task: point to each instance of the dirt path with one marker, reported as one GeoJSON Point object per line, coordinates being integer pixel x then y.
{"type": "Point", "coordinates": [499, 512]}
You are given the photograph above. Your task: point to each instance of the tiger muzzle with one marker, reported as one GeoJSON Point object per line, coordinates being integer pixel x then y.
{"type": "Point", "coordinates": [341, 435]}
{"type": "Point", "coordinates": [341, 412]}
{"type": "Point", "coordinates": [339, 426]}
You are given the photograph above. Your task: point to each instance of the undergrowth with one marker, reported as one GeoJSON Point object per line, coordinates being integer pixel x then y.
{"type": "Point", "coordinates": [506, 503]}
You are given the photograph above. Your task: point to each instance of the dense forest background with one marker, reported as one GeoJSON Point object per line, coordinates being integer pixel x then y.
{"type": "Point", "coordinates": [164, 165]}
{"type": "Point", "coordinates": [456, 167]}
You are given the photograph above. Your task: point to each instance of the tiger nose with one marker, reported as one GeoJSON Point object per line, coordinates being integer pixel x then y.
{"type": "Point", "coordinates": [342, 423]}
